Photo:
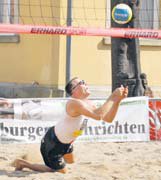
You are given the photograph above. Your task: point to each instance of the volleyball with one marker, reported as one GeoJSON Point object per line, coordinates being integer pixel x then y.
{"type": "Point", "coordinates": [122, 14]}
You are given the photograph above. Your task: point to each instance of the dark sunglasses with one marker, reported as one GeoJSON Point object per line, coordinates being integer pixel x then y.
{"type": "Point", "coordinates": [82, 82]}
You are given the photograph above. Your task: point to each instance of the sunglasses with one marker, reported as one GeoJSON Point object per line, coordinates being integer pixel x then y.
{"type": "Point", "coordinates": [82, 82]}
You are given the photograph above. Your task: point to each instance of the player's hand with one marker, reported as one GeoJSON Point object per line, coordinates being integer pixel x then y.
{"type": "Point", "coordinates": [121, 92]}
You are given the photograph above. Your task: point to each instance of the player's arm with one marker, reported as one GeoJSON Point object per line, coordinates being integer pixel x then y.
{"type": "Point", "coordinates": [106, 112]}
{"type": "Point", "coordinates": [78, 107]}
{"type": "Point", "coordinates": [109, 109]}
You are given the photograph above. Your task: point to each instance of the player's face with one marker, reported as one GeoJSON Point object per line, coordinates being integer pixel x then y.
{"type": "Point", "coordinates": [80, 87]}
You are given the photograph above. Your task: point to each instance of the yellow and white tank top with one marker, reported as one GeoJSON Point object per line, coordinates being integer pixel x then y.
{"type": "Point", "coordinates": [69, 128]}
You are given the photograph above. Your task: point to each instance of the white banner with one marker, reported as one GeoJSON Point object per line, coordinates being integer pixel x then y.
{"type": "Point", "coordinates": [27, 120]}
{"type": "Point", "coordinates": [130, 124]}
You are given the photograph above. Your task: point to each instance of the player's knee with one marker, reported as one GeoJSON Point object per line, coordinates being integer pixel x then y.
{"type": "Point", "coordinates": [71, 161]}
{"type": "Point", "coordinates": [69, 158]}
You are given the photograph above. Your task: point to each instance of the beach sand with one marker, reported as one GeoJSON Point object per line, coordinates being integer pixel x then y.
{"type": "Point", "coordinates": [94, 161]}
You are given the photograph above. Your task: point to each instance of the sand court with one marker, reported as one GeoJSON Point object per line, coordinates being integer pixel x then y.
{"type": "Point", "coordinates": [94, 161]}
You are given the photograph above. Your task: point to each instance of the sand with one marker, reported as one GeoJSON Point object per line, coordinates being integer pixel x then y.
{"type": "Point", "coordinates": [94, 161]}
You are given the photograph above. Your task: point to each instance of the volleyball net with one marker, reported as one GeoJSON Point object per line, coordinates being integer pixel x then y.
{"type": "Point", "coordinates": [86, 18]}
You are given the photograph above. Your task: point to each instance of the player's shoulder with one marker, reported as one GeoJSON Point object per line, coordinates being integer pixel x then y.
{"type": "Point", "coordinates": [73, 101]}
{"type": "Point", "coordinates": [73, 106]}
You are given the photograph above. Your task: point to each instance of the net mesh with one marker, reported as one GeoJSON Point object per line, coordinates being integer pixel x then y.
{"type": "Point", "coordinates": [51, 12]}
{"type": "Point", "coordinates": [93, 13]}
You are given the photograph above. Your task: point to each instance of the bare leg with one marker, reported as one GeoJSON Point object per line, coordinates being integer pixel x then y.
{"type": "Point", "coordinates": [69, 158]}
{"type": "Point", "coordinates": [19, 164]}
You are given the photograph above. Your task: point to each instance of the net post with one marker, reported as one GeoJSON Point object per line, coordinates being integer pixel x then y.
{"type": "Point", "coordinates": [68, 43]}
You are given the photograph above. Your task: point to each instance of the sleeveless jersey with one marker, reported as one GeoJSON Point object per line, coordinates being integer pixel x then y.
{"type": "Point", "coordinates": [69, 128]}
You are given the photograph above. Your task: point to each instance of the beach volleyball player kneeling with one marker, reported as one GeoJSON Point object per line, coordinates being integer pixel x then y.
{"type": "Point", "coordinates": [57, 144]}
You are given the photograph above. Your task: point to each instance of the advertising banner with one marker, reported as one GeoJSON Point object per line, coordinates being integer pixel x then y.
{"type": "Point", "coordinates": [130, 124]}
{"type": "Point", "coordinates": [27, 120]}
{"type": "Point", "coordinates": [155, 119]}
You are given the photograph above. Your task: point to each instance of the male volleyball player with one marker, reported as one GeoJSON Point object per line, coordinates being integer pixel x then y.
{"type": "Point", "coordinates": [56, 146]}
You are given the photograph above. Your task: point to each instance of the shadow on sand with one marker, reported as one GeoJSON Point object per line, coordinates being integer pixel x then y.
{"type": "Point", "coordinates": [16, 173]}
